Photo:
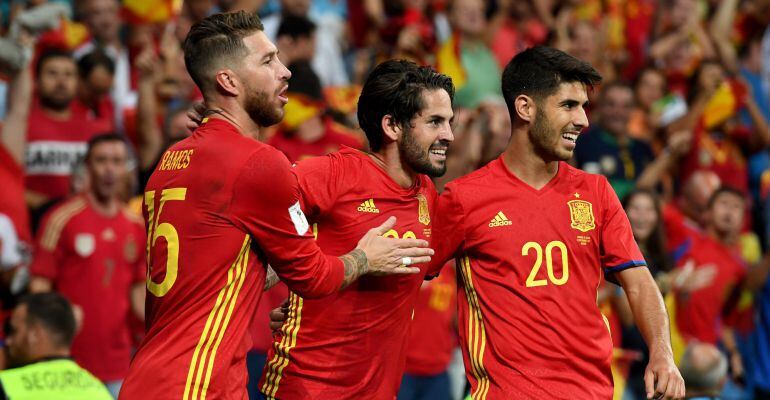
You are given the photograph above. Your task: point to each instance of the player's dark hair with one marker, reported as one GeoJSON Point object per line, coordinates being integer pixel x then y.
{"type": "Point", "coordinates": [538, 71]}
{"type": "Point", "coordinates": [51, 54]}
{"type": "Point", "coordinates": [654, 248]}
{"type": "Point", "coordinates": [395, 88]}
{"type": "Point", "coordinates": [97, 58]}
{"type": "Point", "coordinates": [54, 313]}
{"type": "Point", "coordinates": [103, 138]}
{"type": "Point", "coordinates": [215, 40]}
{"type": "Point", "coordinates": [723, 190]}
{"type": "Point", "coordinates": [296, 27]}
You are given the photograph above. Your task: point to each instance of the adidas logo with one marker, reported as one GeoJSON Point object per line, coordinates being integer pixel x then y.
{"type": "Point", "coordinates": [368, 206]}
{"type": "Point", "coordinates": [500, 220]}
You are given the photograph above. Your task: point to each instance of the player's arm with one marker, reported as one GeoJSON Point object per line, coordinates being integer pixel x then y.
{"type": "Point", "coordinates": [623, 263]}
{"type": "Point", "coordinates": [661, 378]}
{"type": "Point", "coordinates": [266, 204]}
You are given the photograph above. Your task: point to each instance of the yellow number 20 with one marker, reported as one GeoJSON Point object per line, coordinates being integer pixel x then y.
{"type": "Point", "coordinates": [166, 231]}
{"type": "Point", "coordinates": [532, 281]}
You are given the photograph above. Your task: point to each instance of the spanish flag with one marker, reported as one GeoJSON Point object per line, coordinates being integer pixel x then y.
{"type": "Point", "coordinates": [299, 109]}
{"type": "Point", "coordinates": [342, 98]}
{"type": "Point", "coordinates": [724, 104]}
{"type": "Point", "coordinates": [151, 11]}
{"type": "Point", "coordinates": [448, 61]}
{"type": "Point", "coordinates": [69, 36]}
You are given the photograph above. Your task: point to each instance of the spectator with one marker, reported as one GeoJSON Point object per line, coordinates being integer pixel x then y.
{"type": "Point", "coordinates": [327, 61]}
{"type": "Point", "coordinates": [467, 58]}
{"type": "Point", "coordinates": [38, 339]}
{"type": "Point", "coordinates": [296, 40]}
{"type": "Point", "coordinates": [518, 28]}
{"type": "Point", "coordinates": [649, 88]}
{"type": "Point", "coordinates": [720, 143]}
{"type": "Point", "coordinates": [702, 302]}
{"type": "Point", "coordinates": [102, 17]}
{"type": "Point", "coordinates": [96, 72]}
{"type": "Point", "coordinates": [57, 131]}
{"type": "Point", "coordinates": [90, 250]}
{"type": "Point", "coordinates": [607, 149]}
{"type": "Point", "coordinates": [306, 131]}
{"type": "Point", "coordinates": [704, 369]}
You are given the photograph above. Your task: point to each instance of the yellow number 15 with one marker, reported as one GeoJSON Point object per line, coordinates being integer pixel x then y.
{"type": "Point", "coordinates": [166, 231]}
{"type": "Point", "coordinates": [532, 280]}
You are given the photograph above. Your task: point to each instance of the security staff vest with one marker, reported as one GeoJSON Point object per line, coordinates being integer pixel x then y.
{"type": "Point", "coordinates": [56, 379]}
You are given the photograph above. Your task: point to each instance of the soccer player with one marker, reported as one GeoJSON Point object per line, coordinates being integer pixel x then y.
{"type": "Point", "coordinates": [89, 249]}
{"type": "Point", "coordinates": [220, 206]}
{"type": "Point", "coordinates": [352, 345]}
{"type": "Point", "coordinates": [533, 238]}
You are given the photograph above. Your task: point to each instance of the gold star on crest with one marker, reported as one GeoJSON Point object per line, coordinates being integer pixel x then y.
{"type": "Point", "coordinates": [577, 195]}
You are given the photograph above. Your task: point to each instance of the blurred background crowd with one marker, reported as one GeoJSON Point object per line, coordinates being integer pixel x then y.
{"type": "Point", "coordinates": [679, 126]}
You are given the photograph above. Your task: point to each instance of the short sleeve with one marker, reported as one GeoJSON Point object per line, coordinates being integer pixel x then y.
{"type": "Point", "coordinates": [319, 183]}
{"type": "Point", "coordinates": [619, 250]}
{"type": "Point", "coordinates": [448, 235]}
{"type": "Point", "coordinates": [266, 204]}
{"type": "Point", "coordinates": [48, 249]}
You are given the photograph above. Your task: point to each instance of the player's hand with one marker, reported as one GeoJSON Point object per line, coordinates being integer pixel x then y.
{"type": "Point", "coordinates": [662, 379]}
{"type": "Point", "coordinates": [388, 256]}
{"type": "Point", "coordinates": [278, 316]}
{"type": "Point", "coordinates": [195, 116]}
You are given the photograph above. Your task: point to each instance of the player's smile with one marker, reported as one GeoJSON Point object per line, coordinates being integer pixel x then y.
{"type": "Point", "coordinates": [437, 152]}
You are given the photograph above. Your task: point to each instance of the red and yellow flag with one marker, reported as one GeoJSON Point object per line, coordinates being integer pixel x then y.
{"type": "Point", "coordinates": [448, 61]}
{"type": "Point", "coordinates": [299, 109]}
{"type": "Point", "coordinates": [151, 11]}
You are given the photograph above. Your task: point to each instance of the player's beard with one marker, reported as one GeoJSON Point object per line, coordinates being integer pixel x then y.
{"type": "Point", "coordinates": [260, 109]}
{"type": "Point", "coordinates": [541, 134]}
{"type": "Point", "coordinates": [417, 158]}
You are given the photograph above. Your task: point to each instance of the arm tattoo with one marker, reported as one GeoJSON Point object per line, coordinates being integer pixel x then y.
{"type": "Point", "coordinates": [271, 279]}
{"type": "Point", "coordinates": [356, 264]}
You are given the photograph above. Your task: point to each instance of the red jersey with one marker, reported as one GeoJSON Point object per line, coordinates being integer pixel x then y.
{"type": "Point", "coordinates": [432, 333]}
{"type": "Point", "coordinates": [219, 206]}
{"type": "Point", "coordinates": [261, 335]}
{"type": "Point", "coordinates": [680, 231]}
{"type": "Point", "coordinates": [94, 260]}
{"type": "Point", "coordinates": [54, 147]}
{"type": "Point", "coordinates": [699, 313]}
{"type": "Point", "coordinates": [352, 344]}
{"type": "Point", "coordinates": [531, 262]}
{"type": "Point", "coordinates": [12, 201]}
{"type": "Point", "coordinates": [334, 138]}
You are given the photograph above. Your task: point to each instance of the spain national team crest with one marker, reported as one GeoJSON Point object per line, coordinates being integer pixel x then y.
{"type": "Point", "coordinates": [423, 211]}
{"type": "Point", "coordinates": [85, 244]}
{"type": "Point", "coordinates": [582, 215]}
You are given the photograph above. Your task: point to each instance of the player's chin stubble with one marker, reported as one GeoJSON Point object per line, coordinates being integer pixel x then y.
{"type": "Point", "coordinates": [541, 134]}
{"type": "Point", "coordinates": [260, 109]}
{"type": "Point", "coordinates": [418, 159]}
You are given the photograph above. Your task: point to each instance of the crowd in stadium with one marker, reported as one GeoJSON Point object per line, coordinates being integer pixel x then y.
{"type": "Point", "coordinates": [93, 92]}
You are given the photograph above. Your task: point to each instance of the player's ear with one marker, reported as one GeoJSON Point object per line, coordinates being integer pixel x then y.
{"type": "Point", "coordinates": [525, 107]}
{"type": "Point", "coordinates": [227, 82]}
{"type": "Point", "coordinates": [391, 128]}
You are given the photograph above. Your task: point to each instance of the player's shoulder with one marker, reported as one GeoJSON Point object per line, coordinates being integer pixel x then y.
{"type": "Point", "coordinates": [576, 176]}
{"type": "Point", "coordinates": [65, 210]}
{"type": "Point", "coordinates": [347, 159]}
{"type": "Point", "coordinates": [468, 187]}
